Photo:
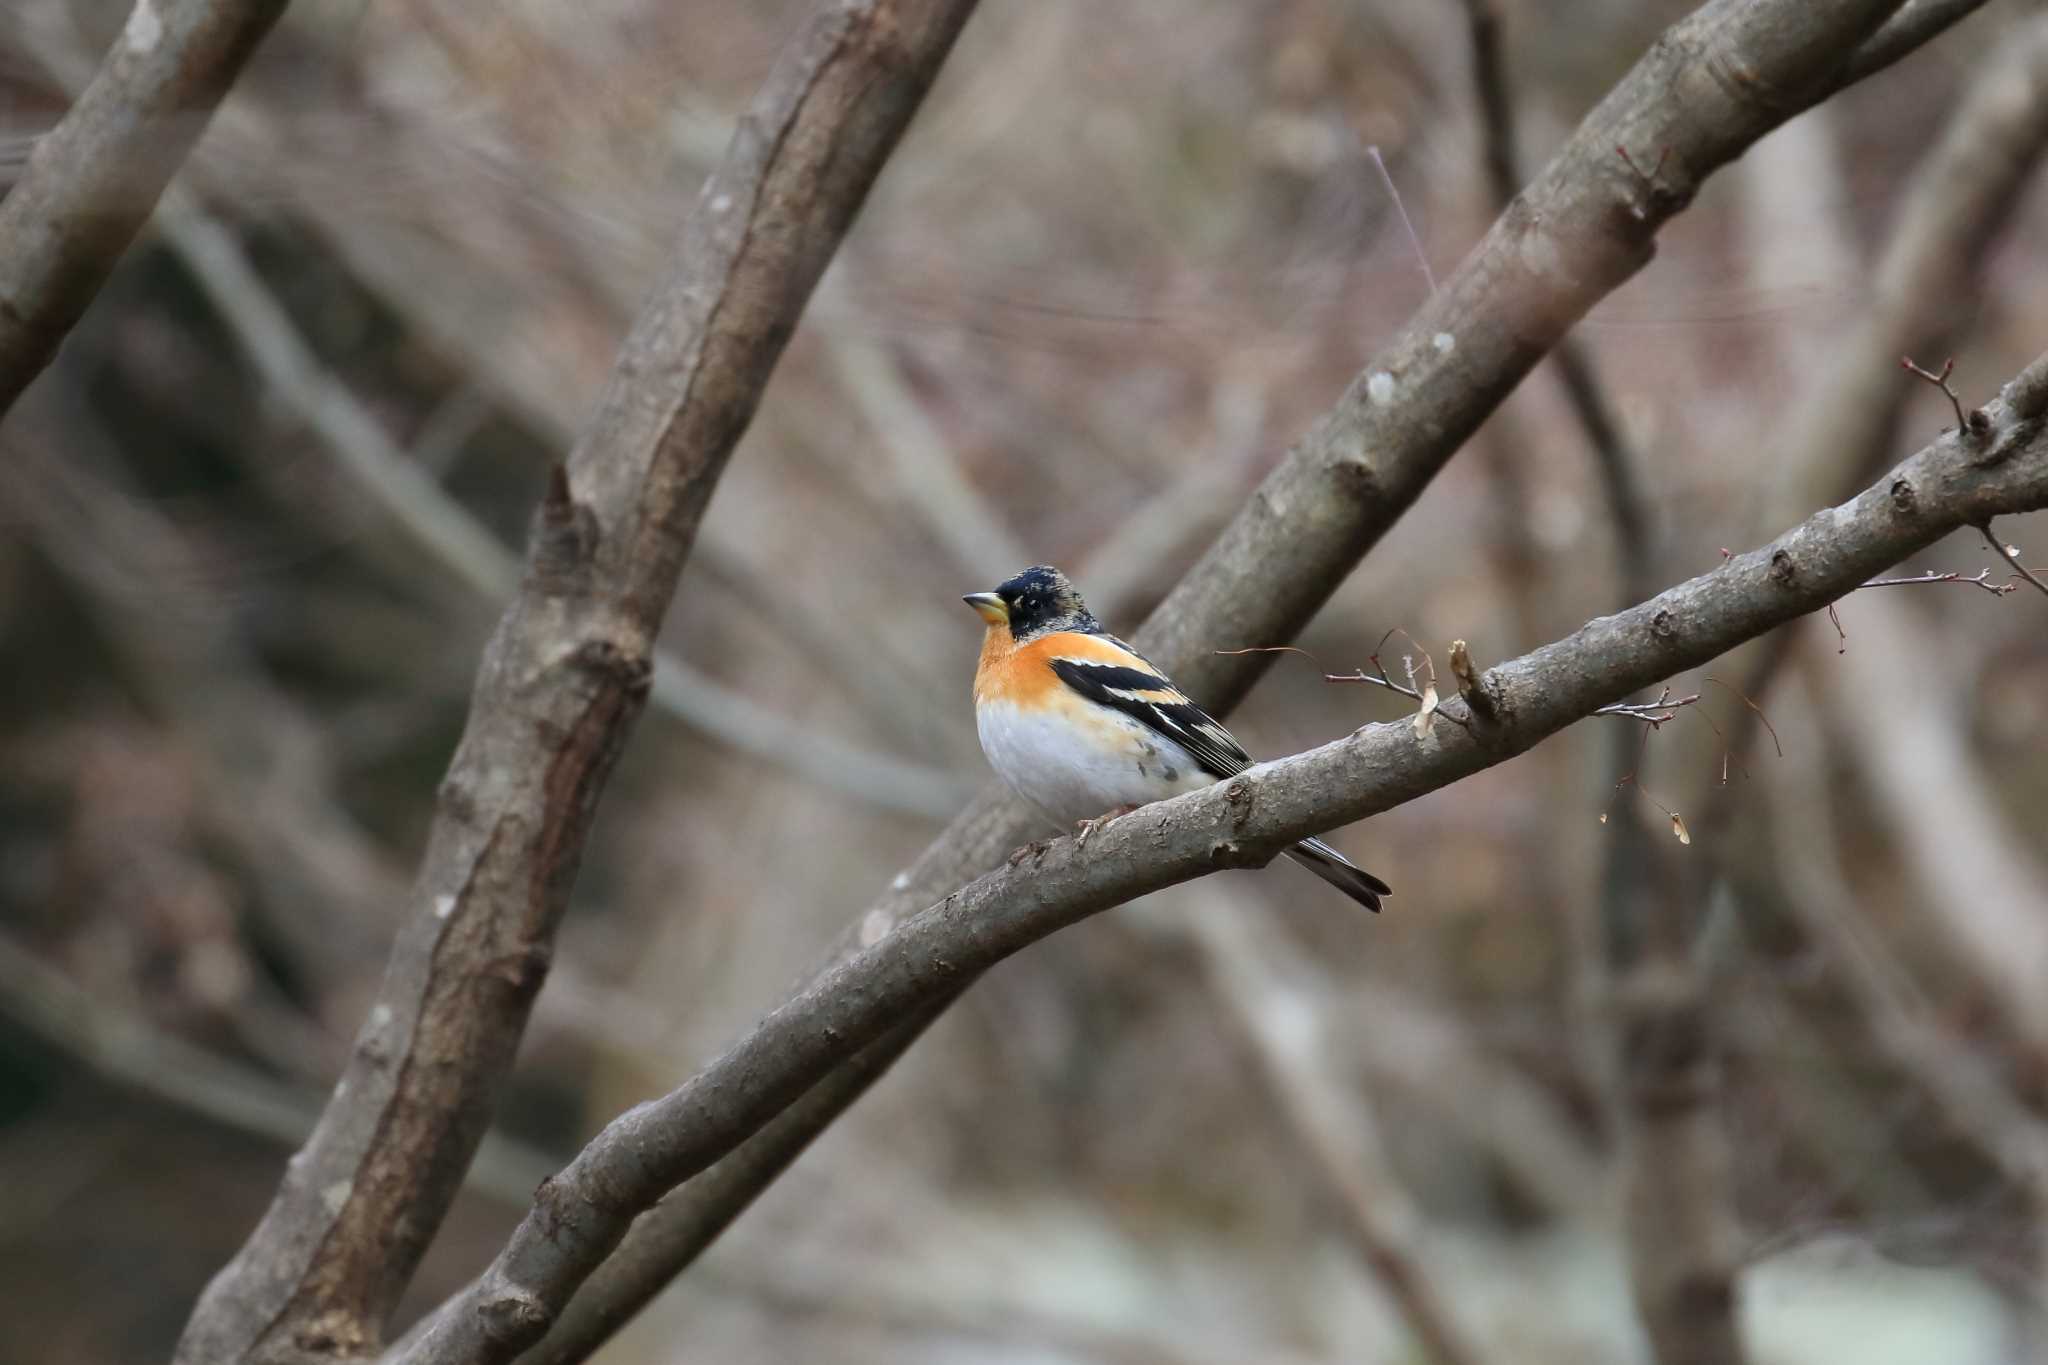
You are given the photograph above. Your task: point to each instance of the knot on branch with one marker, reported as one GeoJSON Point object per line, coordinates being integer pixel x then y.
{"type": "Point", "coordinates": [333, 1333]}
{"type": "Point", "coordinates": [524, 969]}
{"type": "Point", "coordinates": [513, 1318]}
{"type": "Point", "coordinates": [1240, 796]}
{"type": "Point", "coordinates": [1357, 479]}
{"type": "Point", "coordinates": [612, 666]}
{"type": "Point", "coordinates": [1743, 83]}
{"type": "Point", "coordinates": [1783, 571]}
{"type": "Point", "coordinates": [2016, 437]}
{"type": "Point", "coordinates": [1229, 853]}
{"type": "Point", "coordinates": [1651, 199]}
{"type": "Point", "coordinates": [1905, 501]}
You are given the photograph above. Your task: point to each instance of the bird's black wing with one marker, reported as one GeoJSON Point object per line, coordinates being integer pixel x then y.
{"type": "Point", "coordinates": [1153, 701]}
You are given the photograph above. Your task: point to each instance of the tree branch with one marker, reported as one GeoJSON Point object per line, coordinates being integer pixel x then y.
{"type": "Point", "coordinates": [91, 182]}
{"type": "Point", "coordinates": [1583, 228]}
{"type": "Point", "coordinates": [582, 1213]}
{"type": "Point", "coordinates": [562, 681]}
{"type": "Point", "coordinates": [1917, 23]}
{"type": "Point", "coordinates": [692, 1218]}
{"type": "Point", "coordinates": [1585, 225]}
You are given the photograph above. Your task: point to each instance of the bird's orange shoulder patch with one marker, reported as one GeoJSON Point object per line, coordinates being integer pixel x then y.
{"type": "Point", "coordinates": [1022, 673]}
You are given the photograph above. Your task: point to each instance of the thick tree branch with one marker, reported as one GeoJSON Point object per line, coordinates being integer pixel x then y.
{"type": "Point", "coordinates": [581, 1215]}
{"type": "Point", "coordinates": [1711, 86]}
{"type": "Point", "coordinates": [91, 182]}
{"type": "Point", "coordinates": [692, 1218]}
{"type": "Point", "coordinates": [1584, 227]}
{"type": "Point", "coordinates": [562, 681]}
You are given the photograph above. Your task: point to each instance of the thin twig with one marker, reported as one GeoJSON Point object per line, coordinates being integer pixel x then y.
{"type": "Point", "coordinates": [1940, 381]}
{"type": "Point", "coordinates": [1274, 649]}
{"type": "Point", "coordinates": [2011, 555]}
{"type": "Point", "coordinates": [1425, 694]}
{"type": "Point", "coordinates": [1378, 678]}
{"type": "Point", "coordinates": [1394, 193]}
{"type": "Point", "coordinates": [1653, 714]}
{"type": "Point", "coordinates": [1982, 579]}
{"type": "Point", "coordinates": [1743, 696]}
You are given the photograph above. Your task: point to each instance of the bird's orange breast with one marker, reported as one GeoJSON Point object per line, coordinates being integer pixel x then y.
{"type": "Point", "coordinates": [1022, 675]}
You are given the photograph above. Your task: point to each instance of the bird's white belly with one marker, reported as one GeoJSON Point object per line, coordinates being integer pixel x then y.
{"type": "Point", "coordinates": [1075, 774]}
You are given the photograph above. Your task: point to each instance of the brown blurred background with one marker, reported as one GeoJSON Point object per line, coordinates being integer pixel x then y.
{"type": "Point", "coordinates": [255, 522]}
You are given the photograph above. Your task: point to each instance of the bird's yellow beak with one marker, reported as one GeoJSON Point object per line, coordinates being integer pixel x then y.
{"type": "Point", "coordinates": [988, 606]}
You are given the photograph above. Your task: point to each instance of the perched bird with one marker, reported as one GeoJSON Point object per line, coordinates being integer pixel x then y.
{"type": "Point", "coordinates": [1083, 726]}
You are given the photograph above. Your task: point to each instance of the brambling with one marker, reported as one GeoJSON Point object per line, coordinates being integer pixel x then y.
{"type": "Point", "coordinates": [1081, 725]}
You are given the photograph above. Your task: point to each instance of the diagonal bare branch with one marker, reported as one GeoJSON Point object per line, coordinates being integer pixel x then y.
{"type": "Point", "coordinates": [91, 182]}
{"type": "Point", "coordinates": [1584, 226]}
{"type": "Point", "coordinates": [581, 1214]}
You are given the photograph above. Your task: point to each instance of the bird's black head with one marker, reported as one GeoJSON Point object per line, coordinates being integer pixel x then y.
{"type": "Point", "coordinates": [1034, 602]}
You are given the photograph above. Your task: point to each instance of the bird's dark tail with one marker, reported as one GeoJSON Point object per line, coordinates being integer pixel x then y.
{"type": "Point", "coordinates": [1327, 863]}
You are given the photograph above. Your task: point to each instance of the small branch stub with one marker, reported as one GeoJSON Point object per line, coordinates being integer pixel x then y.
{"type": "Point", "coordinates": [1470, 686]}
{"type": "Point", "coordinates": [1972, 425]}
